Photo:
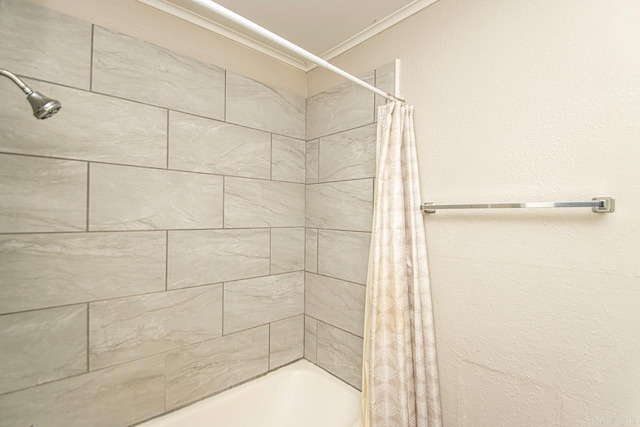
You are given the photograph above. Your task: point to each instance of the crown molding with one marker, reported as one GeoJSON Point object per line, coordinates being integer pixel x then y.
{"type": "Point", "coordinates": [253, 43]}
{"type": "Point", "coordinates": [224, 31]}
{"type": "Point", "coordinates": [375, 29]}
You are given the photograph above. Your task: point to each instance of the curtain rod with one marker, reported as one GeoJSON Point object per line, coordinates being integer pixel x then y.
{"type": "Point", "coordinates": [255, 28]}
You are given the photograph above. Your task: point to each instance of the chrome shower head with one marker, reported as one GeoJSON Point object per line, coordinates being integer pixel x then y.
{"type": "Point", "coordinates": [43, 107]}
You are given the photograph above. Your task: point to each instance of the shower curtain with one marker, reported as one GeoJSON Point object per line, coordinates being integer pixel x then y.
{"type": "Point", "coordinates": [400, 377]}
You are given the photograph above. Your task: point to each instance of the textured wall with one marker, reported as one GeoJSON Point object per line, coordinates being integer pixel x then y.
{"type": "Point", "coordinates": [536, 312]}
{"type": "Point", "coordinates": [151, 234]}
{"type": "Point", "coordinates": [340, 167]}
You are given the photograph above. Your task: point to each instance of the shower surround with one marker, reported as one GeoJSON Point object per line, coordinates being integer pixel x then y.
{"type": "Point", "coordinates": [154, 248]}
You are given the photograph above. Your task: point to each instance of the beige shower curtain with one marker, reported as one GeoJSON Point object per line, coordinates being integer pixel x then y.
{"type": "Point", "coordinates": [400, 377]}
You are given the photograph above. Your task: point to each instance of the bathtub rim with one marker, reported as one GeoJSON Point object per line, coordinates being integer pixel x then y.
{"type": "Point", "coordinates": [297, 365]}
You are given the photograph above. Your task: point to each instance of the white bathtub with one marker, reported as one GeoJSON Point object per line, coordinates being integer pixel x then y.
{"type": "Point", "coordinates": [298, 395]}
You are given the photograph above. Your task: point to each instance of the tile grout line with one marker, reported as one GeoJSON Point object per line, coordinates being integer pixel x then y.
{"type": "Point", "coordinates": [153, 230]}
{"type": "Point", "coordinates": [304, 301]}
{"type": "Point", "coordinates": [350, 282]}
{"type": "Point", "coordinates": [224, 120]}
{"type": "Point", "coordinates": [137, 359]}
{"type": "Point", "coordinates": [304, 284]}
{"type": "Point", "coordinates": [155, 168]}
{"type": "Point", "coordinates": [156, 292]}
{"type": "Point", "coordinates": [168, 120]}
{"type": "Point", "coordinates": [160, 107]}
{"type": "Point", "coordinates": [166, 261]}
{"type": "Point", "coordinates": [164, 370]}
{"type": "Point", "coordinates": [337, 327]}
{"type": "Point", "coordinates": [318, 137]}
{"type": "Point", "coordinates": [224, 191]}
{"type": "Point", "coordinates": [222, 314]}
{"type": "Point", "coordinates": [341, 181]}
{"type": "Point", "coordinates": [336, 376]}
{"type": "Point", "coordinates": [187, 404]}
{"type": "Point", "coordinates": [316, 355]}
{"type": "Point", "coordinates": [270, 249]}
{"type": "Point", "coordinates": [306, 111]}
{"type": "Point", "coordinates": [252, 327]}
{"type": "Point", "coordinates": [88, 193]}
{"type": "Point", "coordinates": [88, 337]}
{"type": "Point", "coordinates": [91, 58]}
{"type": "Point", "coordinates": [317, 177]}
{"type": "Point", "coordinates": [375, 97]}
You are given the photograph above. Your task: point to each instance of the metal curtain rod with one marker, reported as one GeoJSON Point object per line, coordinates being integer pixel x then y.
{"type": "Point", "coordinates": [597, 204]}
{"type": "Point", "coordinates": [252, 26]}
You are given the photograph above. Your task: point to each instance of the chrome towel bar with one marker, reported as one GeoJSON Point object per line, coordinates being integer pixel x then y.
{"type": "Point", "coordinates": [597, 204]}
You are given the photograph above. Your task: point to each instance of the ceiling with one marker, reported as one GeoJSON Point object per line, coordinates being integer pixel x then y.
{"type": "Point", "coordinates": [326, 28]}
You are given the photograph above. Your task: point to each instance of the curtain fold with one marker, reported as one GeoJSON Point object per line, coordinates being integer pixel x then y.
{"type": "Point", "coordinates": [400, 378]}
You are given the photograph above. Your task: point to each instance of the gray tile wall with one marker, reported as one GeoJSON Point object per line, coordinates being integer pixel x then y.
{"type": "Point", "coordinates": [341, 108]}
{"type": "Point", "coordinates": [152, 234]}
{"type": "Point", "coordinates": [252, 104]}
{"type": "Point", "coordinates": [287, 341]}
{"type": "Point", "coordinates": [59, 46]}
{"type": "Point", "coordinates": [157, 226]}
{"type": "Point", "coordinates": [133, 69]}
{"type": "Point", "coordinates": [211, 366]}
{"type": "Point", "coordinates": [340, 167]}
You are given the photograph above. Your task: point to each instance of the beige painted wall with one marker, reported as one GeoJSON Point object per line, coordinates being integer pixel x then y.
{"type": "Point", "coordinates": [146, 23]}
{"type": "Point", "coordinates": [537, 312]}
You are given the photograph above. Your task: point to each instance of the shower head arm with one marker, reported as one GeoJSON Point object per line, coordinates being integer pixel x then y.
{"type": "Point", "coordinates": [43, 106]}
{"type": "Point", "coordinates": [22, 85]}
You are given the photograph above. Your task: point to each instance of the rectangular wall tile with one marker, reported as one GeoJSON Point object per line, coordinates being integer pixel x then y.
{"type": "Point", "coordinates": [42, 194]}
{"type": "Point", "coordinates": [213, 256]}
{"type": "Point", "coordinates": [386, 81]}
{"type": "Point", "coordinates": [118, 396]}
{"type": "Point", "coordinates": [253, 302]}
{"type": "Point", "coordinates": [348, 155]}
{"type": "Point", "coordinates": [58, 45]}
{"type": "Point", "coordinates": [90, 127]}
{"type": "Point", "coordinates": [344, 255]}
{"type": "Point", "coordinates": [312, 160]}
{"type": "Point", "coordinates": [287, 159]}
{"type": "Point", "coordinates": [31, 346]}
{"type": "Point", "coordinates": [258, 203]}
{"type": "Point", "coordinates": [311, 250]}
{"type": "Point", "coordinates": [129, 198]}
{"type": "Point", "coordinates": [286, 342]}
{"type": "Point", "coordinates": [335, 302]}
{"type": "Point", "coordinates": [310, 338]}
{"type": "Point", "coordinates": [206, 368]}
{"type": "Point", "coordinates": [131, 328]}
{"type": "Point", "coordinates": [287, 249]}
{"type": "Point", "coordinates": [340, 353]}
{"type": "Point", "coordinates": [346, 106]}
{"type": "Point", "coordinates": [346, 205]}
{"type": "Point", "coordinates": [253, 104]}
{"type": "Point", "coordinates": [44, 270]}
{"type": "Point", "coordinates": [204, 145]}
{"type": "Point", "coordinates": [134, 69]}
